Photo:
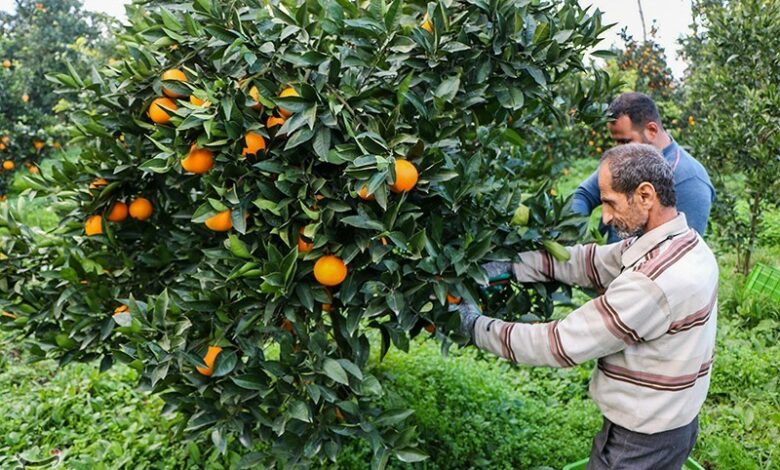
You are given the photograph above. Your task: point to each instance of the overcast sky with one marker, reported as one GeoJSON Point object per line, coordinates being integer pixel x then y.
{"type": "Point", "coordinates": [673, 18]}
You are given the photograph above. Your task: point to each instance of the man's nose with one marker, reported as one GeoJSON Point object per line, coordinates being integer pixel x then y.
{"type": "Point", "coordinates": [606, 215]}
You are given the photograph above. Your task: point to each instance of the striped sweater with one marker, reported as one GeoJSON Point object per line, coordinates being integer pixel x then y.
{"type": "Point", "coordinates": [652, 328]}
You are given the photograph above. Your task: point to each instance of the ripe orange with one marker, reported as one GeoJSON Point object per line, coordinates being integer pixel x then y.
{"type": "Point", "coordinates": [426, 24]}
{"type": "Point", "coordinates": [451, 299]}
{"type": "Point", "coordinates": [141, 209]}
{"type": "Point", "coordinates": [198, 161]}
{"type": "Point", "coordinates": [25, 98]}
{"type": "Point", "coordinates": [326, 308]}
{"type": "Point", "coordinates": [430, 328]}
{"type": "Point", "coordinates": [303, 245]}
{"type": "Point", "coordinates": [5, 139]}
{"type": "Point", "coordinates": [121, 309]}
{"type": "Point", "coordinates": [330, 270]}
{"type": "Point", "coordinates": [209, 359]}
{"type": "Point", "coordinates": [2, 146]}
{"type": "Point", "coordinates": [34, 169]}
{"type": "Point", "coordinates": [157, 112]}
{"type": "Point", "coordinates": [254, 93]}
{"type": "Point", "coordinates": [199, 102]}
{"type": "Point", "coordinates": [6, 64]}
{"type": "Point", "coordinates": [287, 92]}
{"type": "Point", "coordinates": [363, 193]}
{"type": "Point", "coordinates": [9, 165]}
{"type": "Point", "coordinates": [274, 121]}
{"type": "Point", "coordinates": [173, 74]}
{"type": "Point", "coordinates": [287, 325]}
{"type": "Point", "coordinates": [405, 176]}
{"type": "Point", "coordinates": [118, 212]}
{"type": "Point", "coordinates": [254, 143]}
{"type": "Point", "coordinates": [94, 225]}
{"type": "Point", "coordinates": [38, 144]}
{"type": "Point", "coordinates": [220, 222]}
{"type": "Point", "coordinates": [98, 183]}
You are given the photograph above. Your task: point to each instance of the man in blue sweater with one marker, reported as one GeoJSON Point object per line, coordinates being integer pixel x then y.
{"type": "Point", "coordinates": [635, 119]}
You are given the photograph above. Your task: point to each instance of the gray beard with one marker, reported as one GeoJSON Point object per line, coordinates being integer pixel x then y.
{"type": "Point", "coordinates": [626, 234]}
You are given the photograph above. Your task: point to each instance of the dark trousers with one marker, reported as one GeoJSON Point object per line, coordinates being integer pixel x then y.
{"type": "Point", "coordinates": [617, 448]}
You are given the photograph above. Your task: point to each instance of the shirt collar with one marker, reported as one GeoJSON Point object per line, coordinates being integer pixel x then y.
{"type": "Point", "coordinates": [642, 245]}
{"type": "Point", "coordinates": [668, 151]}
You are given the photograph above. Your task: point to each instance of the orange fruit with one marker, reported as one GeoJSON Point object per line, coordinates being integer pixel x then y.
{"type": "Point", "coordinates": [157, 112]}
{"type": "Point", "coordinates": [25, 98]}
{"type": "Point", "coordinates": [118, 212]}
{"type": "Point", "coordinates": [34, 169]}
{"type": "Point", "coordinates": [3, 197]}
{"type": "Point", "coordinates": [98, 183]}
{"type": "Point", "coordinates": [363, 193]}
{"type": "Point", "coordinates": [199, 102]}
{"type": "Point", "coordinates": [287, 92]}
{"type": "Point", "coordinates": [173, 74]}
{"type": "Point", "coordinates": [94, 225]}
{"type": "Point", "coordinates": [220, 222]}
{"type": "Point", "coordinates": [38, 144]}
{"type": "Point", "coordinates": [198, 161]}
{"type": "Point", "coordinates": [287, 325]}
{"type": "Point", "coordinates": [5, 139]}
{"type": "Point", "coordinates": [330, 270]}
{"type": "Point", "coordinates": [9, 165]}
{"type": "Point", "coordinates": [303, 245]}
{"type": "Point", "coordinates": [451, 299]}
{"type": "Point", "coordinates": [405, 176]}
{"type": "Point", "coordinates": [121, 309]}
{"type": "Point", "coordinates": [141, 208]}
{"type": "Point", "coordinates": [2, 146]}
{"type": "Point", "coordinates": [254, 93]}
{"type": "Point", "coordinates": [274, 121]}
{"type": "Point", "coordinates": [430, 328]}
{"type": "Point", "coordinates": [254, 143]}
{"type": "Point", "coordinates": [209, 359]}
{"type": "Point", "coordinates": [426, 24]}
{"type": "Point", "coordinates": [6, 64]}
{"type": "Point", "coordinates": [339, 415]}
{"type": "Point", "coordinates": [326, 307]}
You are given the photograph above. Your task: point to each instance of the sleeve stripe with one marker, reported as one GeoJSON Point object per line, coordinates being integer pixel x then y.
{"type": "Point", "coordinates": [676, 250]}
{"type": "Point", "coordinates": [590, 267]}
{"type": "Point", "coordinates": [556, 346]}
{"type": "Point", "coordinates": [614, 324]}
{"type": "Point", "coordinates": [548, 267]}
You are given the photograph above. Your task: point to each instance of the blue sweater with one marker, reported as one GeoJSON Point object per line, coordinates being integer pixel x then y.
{"type": "Point", "coordinates": [695, 193]}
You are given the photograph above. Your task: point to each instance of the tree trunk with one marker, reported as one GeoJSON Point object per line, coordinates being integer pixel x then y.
{"type": "Point", "coordinates": [642, 18]}
{"type": "Point", "coordinates": [755, 212]}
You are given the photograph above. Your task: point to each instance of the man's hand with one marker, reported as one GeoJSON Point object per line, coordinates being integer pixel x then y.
{"type": "Point", "coordinates": [499, 274]}
{"type": "Point", "coordinates": [468, 318]}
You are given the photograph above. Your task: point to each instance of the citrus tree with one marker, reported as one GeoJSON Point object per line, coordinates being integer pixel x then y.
{"type": "Point", "coordinates": [734, 101]}
{"type": "Point", "coordinates": [266, 190]}
{"type": "Point", "coordinates": [36, 39]}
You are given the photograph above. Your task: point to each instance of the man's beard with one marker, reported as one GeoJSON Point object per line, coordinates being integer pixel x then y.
{"type": "Point", "coordinates": [624, 231]}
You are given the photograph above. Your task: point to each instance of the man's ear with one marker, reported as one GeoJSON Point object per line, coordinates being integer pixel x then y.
{"type": "Point", "coordinates": [652, 129]}
{"type": "Point", "coordinates": [646, 194]}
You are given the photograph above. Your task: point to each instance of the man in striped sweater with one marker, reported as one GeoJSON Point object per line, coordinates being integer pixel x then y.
{"type": "Point", "coordinates": [652, 329]}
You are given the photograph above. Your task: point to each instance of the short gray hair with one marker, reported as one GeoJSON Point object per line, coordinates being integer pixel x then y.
{"type": "Point", "coordinates": [634, 164]}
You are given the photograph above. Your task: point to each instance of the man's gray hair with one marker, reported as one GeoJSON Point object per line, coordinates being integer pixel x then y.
{"type": "Point", "coordinates": [634, 164]}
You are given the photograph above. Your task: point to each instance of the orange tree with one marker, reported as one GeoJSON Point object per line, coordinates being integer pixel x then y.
{"type": "Point", "coordinates": [264, 189]}
{"type": "Point", "coordinates": [36, 39]}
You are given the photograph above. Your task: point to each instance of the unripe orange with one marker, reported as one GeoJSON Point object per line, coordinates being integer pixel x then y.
{"type": "Point", "coordinates": [209, 360]}
{"type": "Point", "coordinates": [141, 209]}
{"type": "Point", "coordinates": [220, 222]}
{"type": "Point", "coordinates": [405, 176]}
{"type": "Point", "coordinates": [94, 225]}
{"type": "Point", "coordinates": [173, 74]}
{"type": "Point", "coordinates": [198, 161]}
{"type": "Point", "coordinates": [118, 212]}
{"type": "Point", "coordinates": [157, 112]}
{"type": "Point", "coordinates": [330, 270]}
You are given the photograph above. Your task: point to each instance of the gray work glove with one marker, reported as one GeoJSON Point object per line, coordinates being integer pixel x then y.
{"type": "Point", "coordinates": [468, 318]}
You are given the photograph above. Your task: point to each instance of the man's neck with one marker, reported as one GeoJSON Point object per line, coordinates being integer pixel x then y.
{"type": "Point", "coordinates": [662, 140]}
{"type": "Point", "coordinates": [660, 217]}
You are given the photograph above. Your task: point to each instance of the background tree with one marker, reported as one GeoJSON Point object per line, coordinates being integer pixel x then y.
{"type": "Point", "coordinates": [265, 191]}
{"type": "Point", "coordinates": [36, 39]}
{"type": "Point", "coordinates": [734, 99]}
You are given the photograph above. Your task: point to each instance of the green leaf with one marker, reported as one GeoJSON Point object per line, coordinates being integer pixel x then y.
{"type": "Point", "coordinates": [392, 417]}
{"type": "Point", "coordinates": [410, 455]}
{"type": "Point", "coordinates": [362, 221]}
{"type": "Point", "coordinates": [334, 370]}
{"type": "Point", "coordinates": [300, 411]}
{"type": "Point", "coordinates": [225, 363]}
{"type": "Point", "coordinates": [448, 88]}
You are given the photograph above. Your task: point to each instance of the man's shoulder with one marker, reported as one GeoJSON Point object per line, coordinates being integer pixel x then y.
{"type": "Point", "coordinates": [689, 167]}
